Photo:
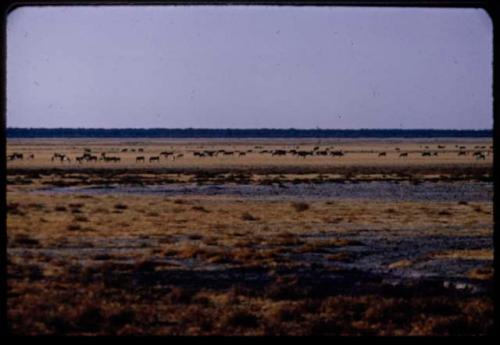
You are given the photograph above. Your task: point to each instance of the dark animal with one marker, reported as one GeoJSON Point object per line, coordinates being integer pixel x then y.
{"type": "Point", "coordinates": [337, 153]}
{"type": "Point", "coordinates": [382, 154]}
{"type": "Point", "coordinates": [60, 156]}
{"type": "Point", "coordinates": [112, 159]}
{"type": "Point", "coordinates": [322, 153]}
{"type": "Point", "coordinates": [426, 154]}
{"type": "Point", "coordinates": [139, 159]}
{"type": "Point", "coordinates": [154, 159]}
{"type": "Point", "coordinates": [279, 153]}
{"type": "Point", "coordinates": [167, 153]}
{"type": "Point", "coordinates": [403, 154]}
{"type": "Point", "coordinates": [15, 156]}
{"type": "Point", "coordinates": [304, 154]}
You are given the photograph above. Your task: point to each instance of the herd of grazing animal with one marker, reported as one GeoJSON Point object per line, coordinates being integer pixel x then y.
{"type": "Point", "coordinates": [480, 152]}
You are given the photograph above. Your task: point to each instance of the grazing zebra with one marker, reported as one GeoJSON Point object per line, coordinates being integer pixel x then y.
{"type": "Point", "coordinates": [15, 156]}
{"type": "Point", "coordinates": [61, 156]}
{"type": "Point", "coordinates": [86, 157]}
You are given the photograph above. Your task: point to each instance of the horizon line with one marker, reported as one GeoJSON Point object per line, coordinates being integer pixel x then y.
{"type": "Point", "coordinates": [253, 128]}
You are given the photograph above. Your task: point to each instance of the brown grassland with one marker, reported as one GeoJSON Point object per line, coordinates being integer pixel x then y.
{"type": "Point", "coordinates": [98, 260]}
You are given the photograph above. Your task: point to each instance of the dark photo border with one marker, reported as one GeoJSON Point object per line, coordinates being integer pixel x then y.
{"type": "Point", "coordinates": [490, 6]}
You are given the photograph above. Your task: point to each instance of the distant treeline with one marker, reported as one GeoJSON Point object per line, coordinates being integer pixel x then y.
{"type": "Point", "coordinates": [242, 133]}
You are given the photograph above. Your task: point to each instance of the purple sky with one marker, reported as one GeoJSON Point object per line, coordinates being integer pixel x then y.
{"type": "Point", "coordinates": [249, 67]}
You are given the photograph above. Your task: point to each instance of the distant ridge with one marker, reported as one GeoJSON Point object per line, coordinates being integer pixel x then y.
{"type": "Point", "coordinates": [242, 133]}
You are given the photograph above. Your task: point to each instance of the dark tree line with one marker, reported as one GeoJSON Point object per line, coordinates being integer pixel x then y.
{"type": "Point", "coordinates": [241, 133]}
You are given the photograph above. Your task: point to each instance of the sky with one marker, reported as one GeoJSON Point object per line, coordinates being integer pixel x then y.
{"type": "Point", "coordinates": [249, 67]}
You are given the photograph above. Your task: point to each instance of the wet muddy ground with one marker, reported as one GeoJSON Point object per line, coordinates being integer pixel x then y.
{"type": "Point", "coordinates": [404, 191]}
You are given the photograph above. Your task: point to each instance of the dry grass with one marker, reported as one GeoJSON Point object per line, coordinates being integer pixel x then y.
{"type": "Point", "coordinates": [468, 254]}
{"type": "Point", "coordinates": [196, 265]}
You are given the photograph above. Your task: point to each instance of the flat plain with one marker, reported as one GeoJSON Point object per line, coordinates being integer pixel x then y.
{"type": "Point", "coordinates": [250, 237]}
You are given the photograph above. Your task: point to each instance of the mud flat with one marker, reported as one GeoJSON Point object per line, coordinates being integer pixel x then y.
{"type": "Point", "coordinates": [426, 191]}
